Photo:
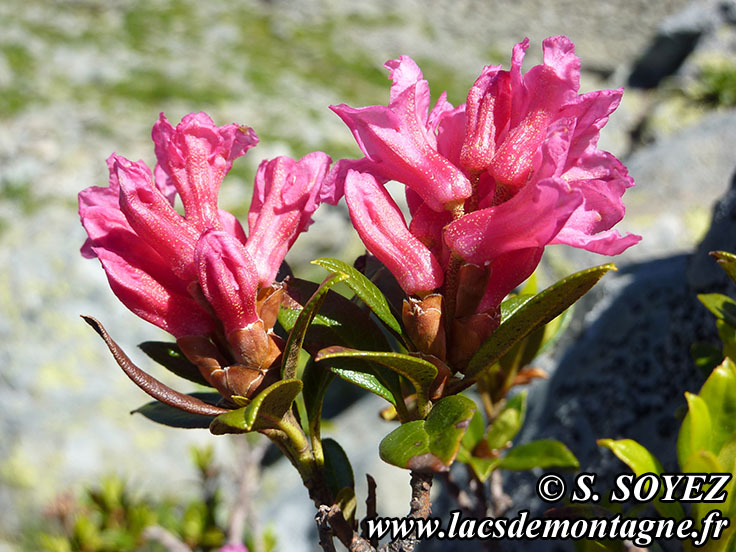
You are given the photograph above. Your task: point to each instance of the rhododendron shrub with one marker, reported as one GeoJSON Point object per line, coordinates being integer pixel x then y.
{"type": "Point", "coordinates": [489, 184]}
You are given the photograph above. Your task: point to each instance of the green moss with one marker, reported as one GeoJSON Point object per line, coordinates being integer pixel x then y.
{"type": "Point", "coordinates": [716, 85]}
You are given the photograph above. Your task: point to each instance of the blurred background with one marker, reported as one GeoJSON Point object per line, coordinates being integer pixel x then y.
{"type": "Point", "coordinates": [80, 79]}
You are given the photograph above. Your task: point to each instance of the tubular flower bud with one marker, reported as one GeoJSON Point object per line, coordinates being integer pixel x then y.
{"type": "Point", "coordinates": [138, 275]}
{"type": "Point", "coordinates": [486, 110]}
{"type": "Point", "coordinates": [153, 218]}
{"type": "Point", "coordinates": [228, 278]}
{"type": "Point", "coordinates": [382, 228]}
{"type": "Point", "coordinates": [400, 141]}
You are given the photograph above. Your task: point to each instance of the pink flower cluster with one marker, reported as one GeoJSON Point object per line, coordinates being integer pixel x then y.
{"type": "Point", "coordinates": [196, 275]}
{"type": "Point", "coordinates": [492, 181]}
{"type": "Point", "coordinates": [489, 184]}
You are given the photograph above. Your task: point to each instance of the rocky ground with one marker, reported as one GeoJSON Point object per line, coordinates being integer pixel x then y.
{"type": "Point", "coordinates": [81, 79]}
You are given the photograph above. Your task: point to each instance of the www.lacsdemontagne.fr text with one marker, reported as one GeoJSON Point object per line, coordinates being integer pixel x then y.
{"type": "Point", "coordinates": [640, 531]}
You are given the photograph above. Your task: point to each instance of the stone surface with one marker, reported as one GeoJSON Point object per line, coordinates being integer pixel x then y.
{"type": "Point", "coordinates": [625, 374]}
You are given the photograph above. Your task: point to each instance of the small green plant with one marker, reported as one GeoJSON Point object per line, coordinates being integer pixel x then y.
{"type": "Point", "coordinates": [716, 86]}
{"type": "Point", "coordinates": [109, 517]}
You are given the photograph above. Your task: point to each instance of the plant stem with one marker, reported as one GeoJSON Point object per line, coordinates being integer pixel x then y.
{"type": "Point", "coordinates": [419, 508]}
{"type": "Point", "coordinates": [290, 438]}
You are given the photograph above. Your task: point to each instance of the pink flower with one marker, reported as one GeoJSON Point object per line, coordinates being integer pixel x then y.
{"type": "Point", "coordinates": [146, 248]}
{"type": "Point", "coordinates": [196, 156]}
{"type": "Point", "coordinates": [138, 275]}
{"type": "Point", "coordinates": [154, 220]}
{"type": "Point", "coordinates": [286, 194]}
{"type": "Point", "coordinates": [525, 145]}
{"type": "Point", "coordinates": [184, 272]}
{"type": "Point", "coordinates": [522, 129]}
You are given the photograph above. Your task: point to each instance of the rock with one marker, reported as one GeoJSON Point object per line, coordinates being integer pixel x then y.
{"type": "Point", "coordinates": [677, 38]}
{"type": "Point", "coordinates": [624, 376]}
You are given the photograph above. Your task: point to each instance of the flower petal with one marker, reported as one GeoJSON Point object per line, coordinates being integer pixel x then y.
{"type": "Point", "coordinates": [591, 112]}
{"type": "Point", "coordinates": [602, 180]}
{"type": "Point", "coordinates": [398, 140]}
{"type": "Point", "coordinates": [508, 271]}
{"type": "Point", "coordinates": [285, 196]}
{"type": "Point", "coordinates": [530, 219]}
{"type": "Point", "coordinates": [153, 218]}
{"type": "Point", "coordinates": [140, 278]}
{"type": "Point", "coordinates": [197, 155]}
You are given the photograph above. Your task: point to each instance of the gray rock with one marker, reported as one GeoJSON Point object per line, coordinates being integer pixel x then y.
{"type": "Point", "coordinates": [624, 376]}
{"type": "Point", "coordinates": [680, 35]}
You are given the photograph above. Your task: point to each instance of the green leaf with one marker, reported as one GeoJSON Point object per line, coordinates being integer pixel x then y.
{"type": "Point", "coordinates": [530, 287]}
{"type": "Point", "coordinates": [316, 380]}
{"type": "Point", "coordinates": [727, 261]}
{"type": "Point", "coordinates": [508, 423]}
{"type": "Point", "coordinates": [526, 350]}
{"type": "Point", "coordinates": [173, 417]}
{"type": "Point", "coordinates": [338, 322]}
{"type": "Point", "coordinates": [727, 333]}
{"type": "Point", "coordinates": [631, 453]}
{"type": "Point", "coordinates": [361, 375]}
{"type": "Point", "coordinates": [513, 303]}
{"type": "Point", "coordinates": [430, 445]}
{"type": "Point", "coordinates": [727, 459]}
{"type": "Point", "coordinates": [347, 503]}
{"type": "Point", "coordinates": [695, 431]}
{"type": "Point", "coordinates": [482, 467]}
{"type": "Point", "coordinates": [296, 336]}
{"type": "Point", "coordinates": [338, 471]}
{"type": "Point", "coordinates": [264, 412]}
{"type": "Point", "coordinates": [702, 461]}
{"type": "Point", "coordinates": [641, 461]}
{"type": "Point", "coordinates": [363, 288]}
{"type": "Point", "coordinates": [524, 318]}
{"type": "Point", "coordinates": [545, 453]}
{"type": "Point", "coordinates": [719, 393]}
{"type": "Point", "coordinates": [706, 356]}
{"type": "Point", "coordinates": [475, 431]}
{"type": "Point", "coordinates": [170, 357]}
{"type": "Point", "coordinates": [721, 305]}
{"type": "Point", "coordinates": [555, 329]}
{"type": "Point", "coordinates": [419, 372]}
{"type": "Point", "coordinates": [521, 354]}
